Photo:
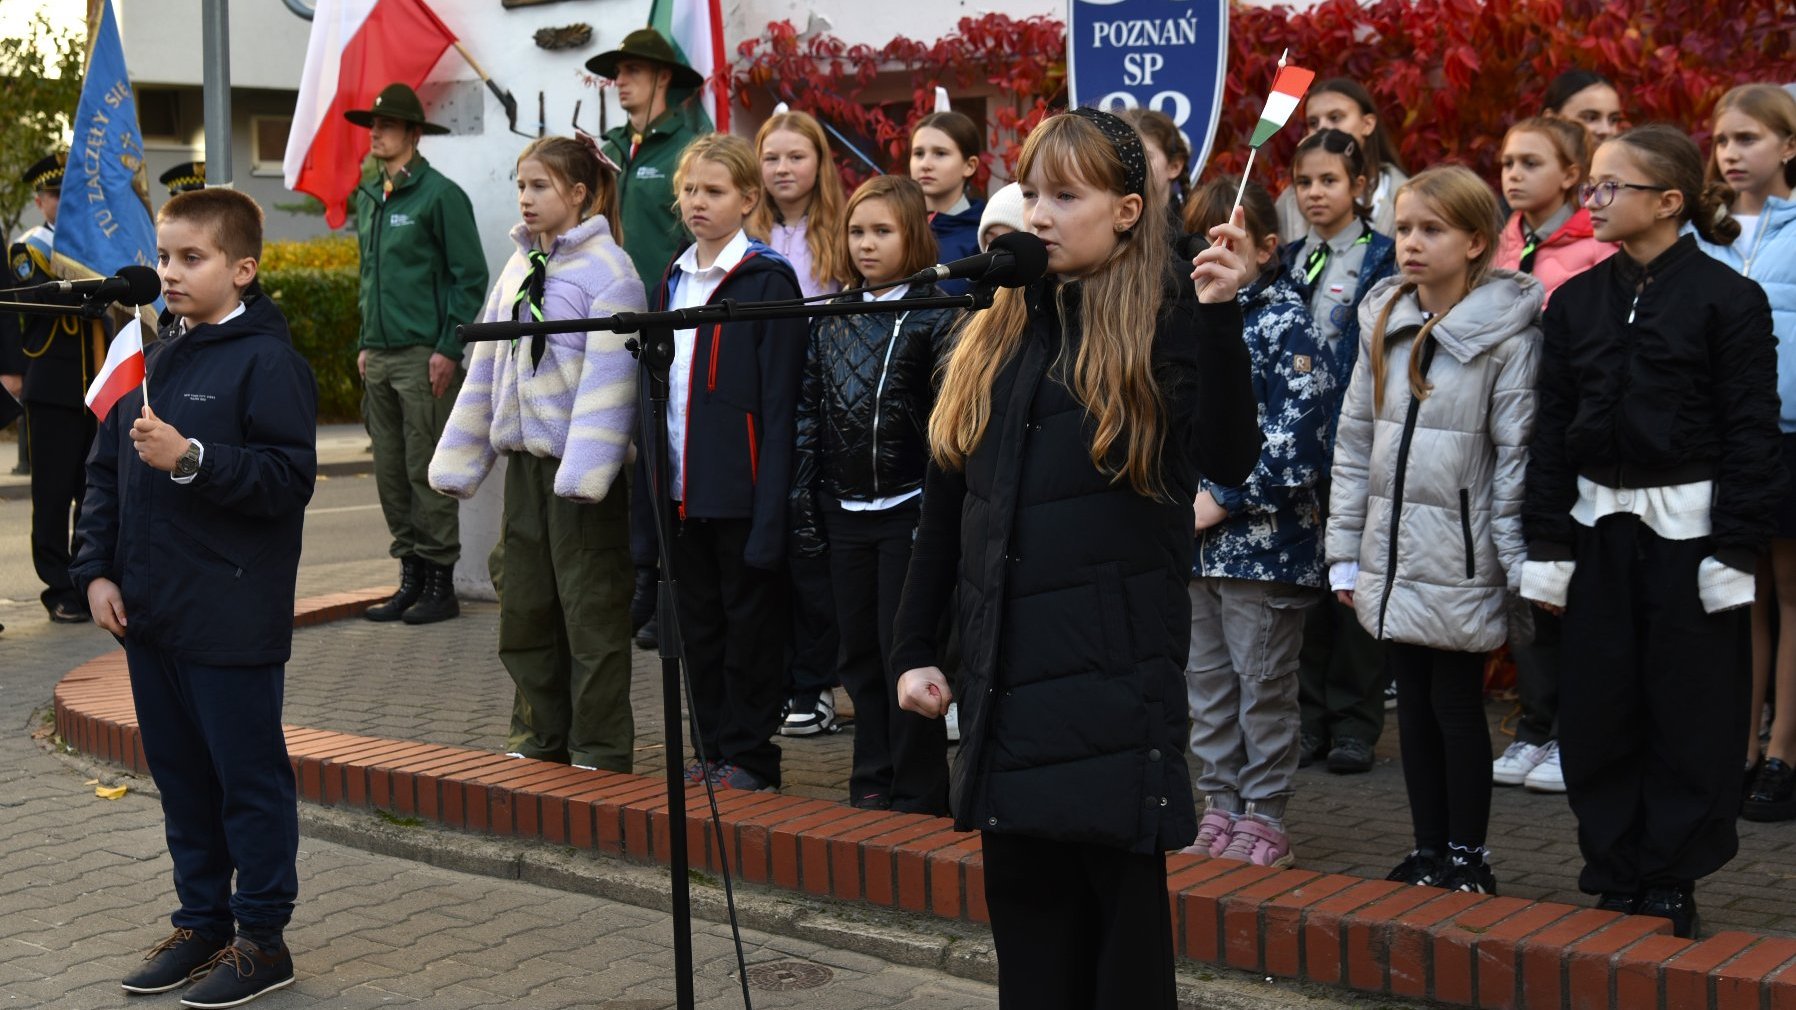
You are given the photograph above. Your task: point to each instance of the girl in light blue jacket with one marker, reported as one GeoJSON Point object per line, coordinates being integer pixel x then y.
{"type": "Point", "coordinates": [1754, 142]}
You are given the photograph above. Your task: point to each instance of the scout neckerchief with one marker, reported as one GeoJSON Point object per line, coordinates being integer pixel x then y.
{"type": "Point", "coordinates": [530, 298]}
{"type": "Point", "coordinates": [387, 184]}
{"type": "Point", "coordinates": [1529, 248]}
{"type": "Point", "coordinates": [1318, 258]}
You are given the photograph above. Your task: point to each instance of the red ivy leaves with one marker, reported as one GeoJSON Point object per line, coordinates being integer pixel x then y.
{"type": "Point", "coordinates": [1449, 75]}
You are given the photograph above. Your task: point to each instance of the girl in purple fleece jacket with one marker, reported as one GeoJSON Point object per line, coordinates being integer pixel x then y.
{"type": "Point", "coordinates": [561, 408]}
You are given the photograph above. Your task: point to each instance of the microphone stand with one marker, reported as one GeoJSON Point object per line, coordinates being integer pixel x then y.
{"type": "Point", "coordinates": [654, 351]}
{"type": "Point", "coordinates": [88, 309]}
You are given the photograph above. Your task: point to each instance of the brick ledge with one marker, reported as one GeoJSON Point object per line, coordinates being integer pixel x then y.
{"type": "Point", "coordinates": [1369, 935]}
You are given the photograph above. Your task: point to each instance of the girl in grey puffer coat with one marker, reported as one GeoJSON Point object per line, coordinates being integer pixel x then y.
{"type": "Point", "coordinates": [1424, 530]}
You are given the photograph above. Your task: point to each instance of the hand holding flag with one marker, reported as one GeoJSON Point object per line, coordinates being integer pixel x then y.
{"type": "Point", "coordinates": [157, 442]}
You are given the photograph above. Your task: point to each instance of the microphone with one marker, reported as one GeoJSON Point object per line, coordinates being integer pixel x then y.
{"type": "Point", "coordinates": [132, 285]}
{"type": "Point", "coordinates": [1015, 260]}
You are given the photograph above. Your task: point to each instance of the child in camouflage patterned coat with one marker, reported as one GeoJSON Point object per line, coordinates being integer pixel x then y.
{"type": "Point", "coordinates": [1259, 563]}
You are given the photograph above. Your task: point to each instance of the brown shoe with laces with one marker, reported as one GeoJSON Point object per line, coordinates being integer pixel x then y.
{"type": "Point", "coordinates": [239, 973]}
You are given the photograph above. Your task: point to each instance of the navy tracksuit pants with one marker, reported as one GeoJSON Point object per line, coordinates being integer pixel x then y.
{"type": "Point", "coordinates": [212, 735]}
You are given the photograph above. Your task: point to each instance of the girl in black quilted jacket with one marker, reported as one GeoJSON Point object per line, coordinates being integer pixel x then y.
{"type": "Point", "coordinates": [858, 487]}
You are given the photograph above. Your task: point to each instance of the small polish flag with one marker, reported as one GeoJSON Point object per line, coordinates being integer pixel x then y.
{"type": "Point", "coordinates": [1287, 90]}
{"type": "Point", "coordinates": [123, 369]}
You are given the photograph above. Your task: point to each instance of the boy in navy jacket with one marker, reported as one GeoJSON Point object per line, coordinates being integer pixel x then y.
{"type": "Point", "coordinates": [187, 549]}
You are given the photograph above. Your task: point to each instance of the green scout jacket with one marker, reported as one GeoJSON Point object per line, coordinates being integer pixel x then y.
{"type": "Point", "coordinates": [651, 221]}
{"type": "Point", "coordinates": [423, 271]}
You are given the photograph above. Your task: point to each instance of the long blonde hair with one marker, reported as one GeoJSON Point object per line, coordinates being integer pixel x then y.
{"type": "Point", "coordinates": [1113, 374]}
{"type": "Point", "coordinates": [1465, 202]}
{"type": "Point", "coordinates": [824, 216]}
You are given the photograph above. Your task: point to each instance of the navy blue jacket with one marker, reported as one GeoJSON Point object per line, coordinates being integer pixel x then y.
{"type": "Point", "coordinates": [741, 407]}
{"type": "Point", "coordinates": [1340, 354]}
{"type": "Point", "coordinates": [957, 237]}
{"type": "Point", "coordinates": [207, 569]}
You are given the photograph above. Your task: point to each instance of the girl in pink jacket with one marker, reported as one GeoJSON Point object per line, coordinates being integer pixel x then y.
{"type": "Point", "coordinates": [1548, 235]}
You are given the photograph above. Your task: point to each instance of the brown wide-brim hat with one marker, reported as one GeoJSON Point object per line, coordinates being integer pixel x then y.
{"type": "Point", "coordinates": [646, 44]}
{"type": "Point", "coordinates": [395, 101]}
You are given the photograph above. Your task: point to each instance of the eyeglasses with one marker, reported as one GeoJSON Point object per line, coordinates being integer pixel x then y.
{"type": "Point", "coordinates": [1601, 194]}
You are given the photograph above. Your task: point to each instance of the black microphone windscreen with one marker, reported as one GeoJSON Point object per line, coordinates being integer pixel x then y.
{"type": "Point", "coordinates": [144, 283]}
{"type": "Point", "coordinates": [1029, 259]}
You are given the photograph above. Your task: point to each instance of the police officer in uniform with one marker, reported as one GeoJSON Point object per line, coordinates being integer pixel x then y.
{"type": "Point", "coordinates": [185, 177]}
{"type": "Point", "coordinates": [61, 355]}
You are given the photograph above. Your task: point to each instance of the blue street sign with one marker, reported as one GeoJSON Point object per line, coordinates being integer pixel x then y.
{"type": "Point", "coordinates": [1168, 55]}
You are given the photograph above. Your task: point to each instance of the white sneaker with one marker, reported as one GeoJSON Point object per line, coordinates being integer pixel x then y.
{"type": "Point", "coordinates": [818, 718]}
{"type": "Point", "coordinates": [1548, 776]}
{"type": "Point", "coordinates": [953, 721]}
{"type": "Point", "coordinates": [1514, 767]}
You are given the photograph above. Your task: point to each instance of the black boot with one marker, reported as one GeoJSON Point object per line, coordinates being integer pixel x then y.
{"type": "Point", "coordinates": [411, 583]}
{"type": "Point", "coordinates": [1675, 903]}
{"type": "Point", "coordinates": [642, 601]}
{"type": "Point", "coordinates": [437, 602]}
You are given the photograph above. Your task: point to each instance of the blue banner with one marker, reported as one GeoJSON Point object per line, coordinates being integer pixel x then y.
{"type": "Point", "coordinates": [104, 223]}
{"type": "Point", "coordinates": [1168, 55]}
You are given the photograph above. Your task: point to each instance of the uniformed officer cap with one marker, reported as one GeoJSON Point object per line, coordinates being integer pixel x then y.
{"type": "Point", "coordinates": [189, 175]}
{"type": "Point", "coordinates": [46, 173]}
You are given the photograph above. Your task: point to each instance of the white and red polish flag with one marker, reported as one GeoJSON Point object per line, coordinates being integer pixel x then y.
{"type": "Point", "coordinates": [122, 371]}
{"type": "Point", "coordinates": [357, 48]}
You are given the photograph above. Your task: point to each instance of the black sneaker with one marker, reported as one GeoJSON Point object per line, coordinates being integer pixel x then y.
{"type": "Point", "coordinates": [1773, 795]}
{"type": "Point", "coordinates": [1423, 868]}
{"type": "Point", "coordinates": [1310, 749]}
{"type": "Point", "coordinates": [810, 716]}
{"type": "Point", "coordinates": [1350, 757]}
{"type": "Point", "coordinates": [1464, 875]}
{"type": "Point", "coordinates": [1675, 903]}
{"type": "Point", "coordinates": [1625, 902]}
{"type": "Point", "coordinates": [167, 964]}
{"type": "Point", "coordinates": [239, 973]}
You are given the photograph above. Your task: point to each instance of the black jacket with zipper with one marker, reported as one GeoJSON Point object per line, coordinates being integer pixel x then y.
{"type": "Point", "coordinates": [207, 568]}
{"type": "Point", "coordinates": [739, 411]}
{"type": "Point", "coordinates": [863, 407]}
{"type": "Point", "coordinates": [1655, 375]}
{"type": "Point", "coordinates": [1070, 587]}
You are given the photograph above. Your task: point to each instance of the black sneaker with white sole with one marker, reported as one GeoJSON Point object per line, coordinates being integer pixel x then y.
{"type": "Point", "coordinates": [1463, 875]}
{"type": "Point", "coordinates": [168, 963]}
{"type": "Point", "coordinates": [807, 717]}
{"type": "Point", "coordinates": [1423, 868]}
{"type": "Point", "coordinates": [239, 973]}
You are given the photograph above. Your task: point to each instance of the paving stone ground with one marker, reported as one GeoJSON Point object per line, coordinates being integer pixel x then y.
{"type": "Point", "coordinates": [444, 684]}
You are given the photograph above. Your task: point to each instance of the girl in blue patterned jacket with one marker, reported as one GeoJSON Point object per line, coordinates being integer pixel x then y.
{"type": "Point", "coordinates": [1259, 564]}
{"type": "Point", "coordinates": [562, 410]}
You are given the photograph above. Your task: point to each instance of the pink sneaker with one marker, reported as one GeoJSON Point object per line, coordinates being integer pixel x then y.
{"type": "Point", "coordinates": [1212, 834]}
{"type": "Point", "coordinates": [1254, 841]}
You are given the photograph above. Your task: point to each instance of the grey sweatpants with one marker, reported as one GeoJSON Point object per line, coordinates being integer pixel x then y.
{"type": "Point", "coordinates": [1241, 681]}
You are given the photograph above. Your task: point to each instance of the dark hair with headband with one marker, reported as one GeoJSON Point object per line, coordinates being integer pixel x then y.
{"type": "Point", "coordinates": [1128, 147]}
{"type": "Point", "coordinates": [1352, 153]}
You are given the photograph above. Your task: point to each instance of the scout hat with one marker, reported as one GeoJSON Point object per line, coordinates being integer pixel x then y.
{"type": "Point", "coordinates": [46, 173]}
{"type": "Point", "coordinates": [646, 44]}
{"type": "Point", "coordinates": [395, 101]}
{"type": "Point", "coordinates": [186, 176]}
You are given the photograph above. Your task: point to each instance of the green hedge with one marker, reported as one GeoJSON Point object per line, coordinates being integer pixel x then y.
{"type": "Point", "coordinates": [320, 306]}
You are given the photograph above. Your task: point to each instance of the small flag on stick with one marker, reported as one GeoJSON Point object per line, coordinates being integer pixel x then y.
{"type": "Point", "coordinates": [1288, 89]}
{"type": "Point", "coordinates": [123, 369]}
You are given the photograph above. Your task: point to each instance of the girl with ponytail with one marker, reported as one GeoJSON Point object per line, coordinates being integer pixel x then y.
{"type": "Point", "coordinates": [1653, 483]}
{"type": "Point", "coordinates": [1424, 533]}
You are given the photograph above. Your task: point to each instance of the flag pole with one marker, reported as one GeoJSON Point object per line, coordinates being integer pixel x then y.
{"type": "Point", "coordinates": [1252, 152]}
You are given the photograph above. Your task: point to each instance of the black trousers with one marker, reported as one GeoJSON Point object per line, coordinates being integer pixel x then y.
{"type": "Point", "coordinates": [1078, 927]}
{"type": "Point", "coordinates": [1652, 705]}
{"type": "Point", "coordinates": [815, 640]}
{"type": "Point", "coordinates": [59, 438]}
{"type": "Point", "coordinates": [897, 754]}
{"type": "Point", "coordinates": [1341, 675]}
{"type": "Point", "coordinates": [1446, 743]}
{"type": "Point", "coordinates": [733, 624]}
{"type": "Point", "coordinates": [213, 739]}
{"type": "Point", "coordinates": [1537, 681]}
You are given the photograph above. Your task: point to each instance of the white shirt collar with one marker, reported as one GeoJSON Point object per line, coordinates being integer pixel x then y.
{"type": "Point", "coordinates": [888, 295]}
{"type": "Point", "coordinates": [732, 254]}
{"type": "Point", "coordinates": [1343, 240]}
{"type": "Point", "coordinates": [238, 311]}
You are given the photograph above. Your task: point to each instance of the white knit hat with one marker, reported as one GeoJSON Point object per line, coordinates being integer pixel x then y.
{"type": "Point", "coordinates": [1006, 208]}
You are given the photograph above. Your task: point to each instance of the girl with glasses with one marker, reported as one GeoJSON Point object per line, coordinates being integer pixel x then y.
{"type": "Point", "coordinates": [1653, 482]}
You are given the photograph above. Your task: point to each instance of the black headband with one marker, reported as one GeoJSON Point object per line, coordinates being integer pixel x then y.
{"type": "Point", "coordinates": [1127, 143]}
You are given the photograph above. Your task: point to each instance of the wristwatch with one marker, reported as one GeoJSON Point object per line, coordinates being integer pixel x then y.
{"type": "Point", "coordinates": [189, 463]}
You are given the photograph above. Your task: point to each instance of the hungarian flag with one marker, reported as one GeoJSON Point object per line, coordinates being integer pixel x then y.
{"type": "Point", "coordinates": [122, 371]}
{"type": "Point", "coordinates": [1287, 90]}
{"type": "Point", "coordinates": [695, 27]}
{"type": "Point", "coordinates": [357, 48]}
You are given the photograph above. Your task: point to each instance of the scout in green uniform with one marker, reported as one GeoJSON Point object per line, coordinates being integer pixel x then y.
{"type": "Point", "coordinates": [645, 70]}
{"type": "Point", "coordinates": [423, 274]}
{"type": "Point", "coordinates": [60, 355]}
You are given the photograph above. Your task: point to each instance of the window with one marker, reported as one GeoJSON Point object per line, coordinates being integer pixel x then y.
{"type": "Point", "coordinates": [268, 142]}
{"type": "Point", "coordinates": [159, 114]}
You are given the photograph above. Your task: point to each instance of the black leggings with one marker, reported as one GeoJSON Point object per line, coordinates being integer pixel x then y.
{"type": "Point", "coordinates": [1445, 742]}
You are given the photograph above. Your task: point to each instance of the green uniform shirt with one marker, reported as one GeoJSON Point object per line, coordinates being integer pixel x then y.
{"type": "Point", "coordinates": [423, 272]}
{"type": "Point", "coordinates": [651, 220]}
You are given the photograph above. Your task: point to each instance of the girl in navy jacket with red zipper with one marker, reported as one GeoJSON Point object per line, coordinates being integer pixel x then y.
{"type": "Point", "coordinates": [733, 394]}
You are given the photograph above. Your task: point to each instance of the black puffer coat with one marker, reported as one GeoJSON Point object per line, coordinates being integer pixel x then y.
{"type": "Point", "coordinates": [1074, 618]}
{"type": "Point", "coordinates": [863, 408]}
